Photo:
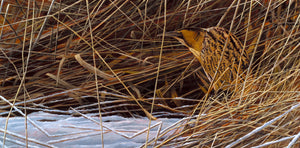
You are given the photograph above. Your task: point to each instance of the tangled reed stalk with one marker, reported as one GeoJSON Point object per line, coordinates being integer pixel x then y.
{"type": "Point", "coordinates": [105, 57]}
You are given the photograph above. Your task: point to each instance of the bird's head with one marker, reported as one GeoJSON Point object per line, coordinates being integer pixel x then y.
{"type": "Point", "coordinates": [191, 38]}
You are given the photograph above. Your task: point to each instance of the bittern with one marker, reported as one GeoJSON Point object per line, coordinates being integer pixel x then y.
{"type": "Point", "coordinates": [219, 52]}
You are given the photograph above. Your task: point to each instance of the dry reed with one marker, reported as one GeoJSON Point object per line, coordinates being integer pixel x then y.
{"type": "Point", "coordinates": [104, 56]}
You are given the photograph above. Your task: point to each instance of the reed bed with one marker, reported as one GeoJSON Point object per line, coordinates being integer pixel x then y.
{"type": "Point", "coordinates": [105, 57]}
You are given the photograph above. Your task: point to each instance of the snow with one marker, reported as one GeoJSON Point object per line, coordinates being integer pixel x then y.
{"type": "Point", "coordinates": [52, 130]}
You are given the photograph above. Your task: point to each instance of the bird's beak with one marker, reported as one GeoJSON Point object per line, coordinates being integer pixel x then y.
{"type": "Point", "coordinates": [176, 35]}
{"type": "Point", "coordinates": [171, 34]}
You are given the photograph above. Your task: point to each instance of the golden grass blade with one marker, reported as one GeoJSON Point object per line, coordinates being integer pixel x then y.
{"type": "Point", "coordinates": [91, 68]}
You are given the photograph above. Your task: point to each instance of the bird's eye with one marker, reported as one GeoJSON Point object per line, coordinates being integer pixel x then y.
{"type": "Point", "coordinates": [197, 35]}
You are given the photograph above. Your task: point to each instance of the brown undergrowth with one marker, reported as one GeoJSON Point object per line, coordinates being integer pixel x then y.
{"type": "Point", "coordinates": [54, 56]}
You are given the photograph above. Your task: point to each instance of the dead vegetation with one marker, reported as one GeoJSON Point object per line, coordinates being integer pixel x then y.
{"type": "Point", "coordinates": [105, 57]}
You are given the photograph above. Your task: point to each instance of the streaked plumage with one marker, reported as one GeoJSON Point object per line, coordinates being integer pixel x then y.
{"type": "Point", "coordinates": [207, 45]}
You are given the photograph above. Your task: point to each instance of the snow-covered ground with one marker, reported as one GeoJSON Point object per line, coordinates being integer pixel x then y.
{"type": "Point", "coordinates": [51, 130]}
